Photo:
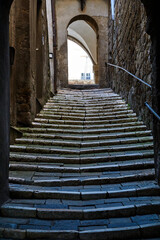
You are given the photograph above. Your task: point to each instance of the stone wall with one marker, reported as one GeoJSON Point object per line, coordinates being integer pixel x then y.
{"type": "Point", "coordinates": [4, 99]}
{"type": "Point", "coordinates": [30, 82]}
{"type": "Point", "coordinates": [129, 47]}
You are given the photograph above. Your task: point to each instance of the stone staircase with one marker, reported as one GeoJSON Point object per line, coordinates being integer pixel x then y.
{"type": "Point", "coordinates": [84, 171]}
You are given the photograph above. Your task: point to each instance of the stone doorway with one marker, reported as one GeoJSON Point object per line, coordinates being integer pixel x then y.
{"type": "Point", "coordinates": [95, 23]}
{"type": "Point", "coordinates": [82, 52]}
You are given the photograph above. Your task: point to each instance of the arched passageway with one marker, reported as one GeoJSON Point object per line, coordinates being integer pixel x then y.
{"type": "Point", "coordinates": [88, 28]}
{"type": "Point", "coordinates": [153, 30]}
{"type": "Point", "coordinates": [85, 34]}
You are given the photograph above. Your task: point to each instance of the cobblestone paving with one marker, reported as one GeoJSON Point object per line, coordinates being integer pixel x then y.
{"type": "Point", "coordinates": [83, 171]}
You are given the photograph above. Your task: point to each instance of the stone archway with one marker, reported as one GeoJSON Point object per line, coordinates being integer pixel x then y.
{"type": "Point", "coordinates": [83, 30]}
{"type": "Point", "coordinates": [98, 20]}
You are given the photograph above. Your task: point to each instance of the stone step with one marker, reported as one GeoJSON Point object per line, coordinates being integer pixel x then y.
{"type": "Point", "coordinates": [91, 143]}
{"type": "Point", "coordinates": [70, 151]}
{"type": "Point", "coordinates": [81, 117]}
{"type": "Point", "coordinates": [84, 109]}
{"type": "Point", "coordinates": [84, 122]}
{"type": "Point", "coordinates": [84, 204]}
{"type": "Point", "coordinates": [11, 210]}
{"type": "Point", "coordinates": [91, 137]}
{"type": "Point", "coordinates": [93, 95]}
{"type": "Point", "coordinates": [83, 113]}
{"type": "Point", "coordinates": [84, 104]}
{"type": "Point", "coordinates": [138, 231]}
{"type": "Point", "coordinates": [74, 129]}
{"type": "Point", "coordinates": [84, 117]}
{"type": "Point", "coordinates": [90, 134]}
{"type": "Point", "coordinates": [85, 170]}
{"type": "Point", "coordinates": [34, 157]}
{"type": "Point", "coordinates": [20, 191]}
{"type": "Point", "coordinates": [114, 166]}
{"type": "Point", "coordinates": [141, 231]}
{"type": "Point", "coordinates": [60, 180]}
{"type": "Point", "coordinates": [120, 233]}
{"type": "Point", "coordinates": [84, 94]}
{"type": "Point", "coordinates": [90, 98]}
{"type": "Point", "coordinates": [84, 99]}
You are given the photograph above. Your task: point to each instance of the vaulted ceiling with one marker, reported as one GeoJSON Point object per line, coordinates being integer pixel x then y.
{"type": "Point", "coordinates": [84, 34]}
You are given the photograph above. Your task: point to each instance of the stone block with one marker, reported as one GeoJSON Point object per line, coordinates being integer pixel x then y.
{"type": "Point", "coordinates": [1, 232]}
{"type": "Point", "coordinates": [150, 230]}
{"type": "Point", "coordinates": [59, 214]}
{"type": "Point", "coordinates": [111, 234]}
{"type": "Point", "coordinates": [66, 225]}
{"type": "Point", "coordinates": [14, 233]}
{"type": "Point", "coordinates": [93, 195]}
{"type": "Point", "coordinates": [15, 211]}
{"type": "Point", "coordinates": [43, 234]}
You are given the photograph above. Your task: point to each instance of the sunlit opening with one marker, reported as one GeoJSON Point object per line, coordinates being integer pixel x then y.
{"type": "Point", "coordinates": [80, 66]}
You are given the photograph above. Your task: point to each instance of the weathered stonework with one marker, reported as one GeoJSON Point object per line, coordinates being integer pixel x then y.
{"type": "Point", "coordinates": [68, 10]}
{"type": "Point", "coordinates": [4, 99]}
{"type": "Point", "coordinates": [152, 29]}
{"type": "Point", "coordinates": [30, 82]}
{"type": "Point", "coordinates": [129, 47]}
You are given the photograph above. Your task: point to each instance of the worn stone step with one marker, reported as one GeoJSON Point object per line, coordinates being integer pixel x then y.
{"type": "Point", "coordinates": [74, 129]}
{"type": "Point", "coordinates": [83, 114]}
{"type": "Point", "coordinates": [87, 101]}
{"type": "Point", "coordinates": [33, 157]}
{"type": "Point", "coordinates": [89, 150]}
{"type": "Point", "coordinates": [37, 234]}
{"type": "Point", "coordinates": [109, 105]}
{"type": "Point", "coordinates": [51, 181]}
{"type": "Point", "coordinates": [81, 117]}
{"type": "Point", "coordinates": [11, 210]}
{"type": "Point", "coordinates": [130, 165]}
{"type": "Point", "coordinates": [84, 105]}
{"type": "Point", "coordinates": [82, 109]}
{"type": "Point", "coordinates": [20, 191]}
{"type": "Point", "coordinates": [83, 124]}
{"type": "Point", "coordinates": [81, 143]}
{"type": "Point", "coordinates": [91, 137]}
{"type": "Point", "coordinates": [84, 203]}
{"type": "Point", "coordinates": [85, 170]}
{"type": "Point", "coordinates": [142, 231]}
{"type": "Point", "coordinates": [84, 120]}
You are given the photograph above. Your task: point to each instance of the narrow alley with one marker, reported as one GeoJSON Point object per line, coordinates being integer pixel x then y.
{"type": "Point", "coordinates": [80, 120]}
{"type": "Point", "coordinates": [84, 170]}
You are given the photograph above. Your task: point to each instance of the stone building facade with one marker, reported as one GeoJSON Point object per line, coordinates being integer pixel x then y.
{"type": "Point", "coordinates": [69, 11]}
{"type": "Point", "coordinates": [30, 78]}
{"type": "Point", "coordinates": [130, 48]}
